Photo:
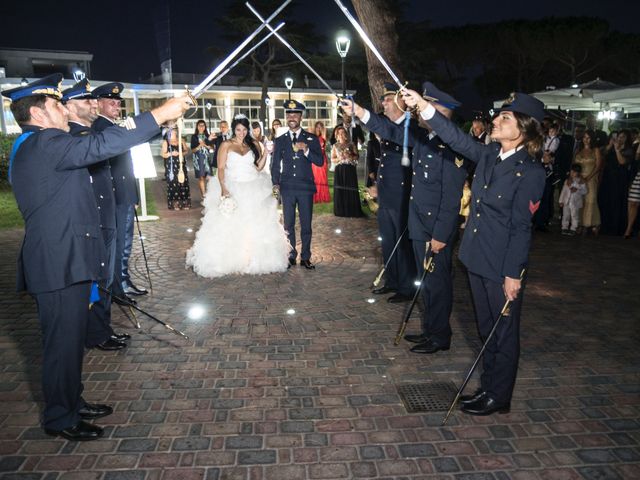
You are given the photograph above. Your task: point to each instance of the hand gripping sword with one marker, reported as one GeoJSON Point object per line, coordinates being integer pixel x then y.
{"type": "Point", "coordinates": [505, 312]}
{"type": "Point", "coordinates": [365, 38]}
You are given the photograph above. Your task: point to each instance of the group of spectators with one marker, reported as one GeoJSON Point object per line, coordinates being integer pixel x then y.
{"type": "Point", "coordinates": [600, 177]}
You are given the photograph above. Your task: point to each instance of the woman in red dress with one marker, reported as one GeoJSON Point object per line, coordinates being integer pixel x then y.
{"type": "Point", "coordinates": [322, 194]}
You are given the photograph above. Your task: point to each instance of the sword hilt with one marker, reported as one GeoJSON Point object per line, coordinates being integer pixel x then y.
{"type": "Point", "coordinates": [376, 281]}
{"type": "Point", "coordinates": [192, 98]}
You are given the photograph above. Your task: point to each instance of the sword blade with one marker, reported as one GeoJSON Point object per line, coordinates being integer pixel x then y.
{"type": "Point", "coordinates": [367, 40]}
{"type": "Point", "coordinates": [293, 50]}
{"type": "Point", "coordinates": [247, 53]}
{"type": "Point", "coordinates": [216, 71]}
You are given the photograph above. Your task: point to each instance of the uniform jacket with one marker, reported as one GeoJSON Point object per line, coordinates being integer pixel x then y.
{"type": "Point", "coordinates": [437, 178]}
{"type": "Point", "coordinates": [504, 197]}
{"type": "Point", "coordinates": [101, 183]}
{"type": "Point", "coordinates": [293, 173]}
{"type": "Point", "coordinates": [125, 186]}
{"type": "Point", "coordinates": [63, 244]}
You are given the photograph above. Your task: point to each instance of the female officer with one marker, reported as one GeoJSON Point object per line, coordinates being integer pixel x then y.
{"type": "Point", "coordinates": [506, 192]}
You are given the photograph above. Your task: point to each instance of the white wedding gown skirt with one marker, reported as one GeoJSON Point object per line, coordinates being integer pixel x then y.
{"type": "Point", "coordinates": [247, 240]}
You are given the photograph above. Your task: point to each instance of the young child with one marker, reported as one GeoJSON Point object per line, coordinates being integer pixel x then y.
{"type": "Point", "coordinates": [571, 200]}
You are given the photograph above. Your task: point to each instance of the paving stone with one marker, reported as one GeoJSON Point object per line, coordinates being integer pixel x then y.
{"type": "Point", "coordinates": [598, 473]}
{"type": "Point", "coordinates": [243, 442]}
{"type": "Point", "coordinates": [11, 463]}
{"type": "Point", "coordinates": [191, 443]}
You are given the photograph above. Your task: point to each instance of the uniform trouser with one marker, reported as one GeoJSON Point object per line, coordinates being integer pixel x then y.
{"type": "Point", "coordinates": [571, 216]}
{"type": "Point", "coordinates": [99, 327]}
{"type": "Point", "coordinates": [63, 318]}
{"type": "Point", "coordinates": [545, 210]}
{"type": "Point", "coordinates": [304, 202]}
{"type": "Point", "coordinates": [400, 274]}
{"type": "Point", "coordinates": [124, 242]}
{"type": "Point", "coordinates": [436, 291]}
{"type": "Point", "coordinates": [500, 360]}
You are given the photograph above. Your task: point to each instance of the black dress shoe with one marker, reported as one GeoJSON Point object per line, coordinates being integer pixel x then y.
{"type": "Point", "coordinates": [474, 397]}
{"type": "Point", "coordinates": [111, 344]}
{"type": "Point", "coordinates": [292, 262]}
{"type": "Point", "coordinates": [307, 264]}
{"type": "Point", "coordinates": [133, 290]}
{"type": "Point", "coordinates": [124, 300]}
{"type": "Point", "coordinates": [416, 338]}
{"type": "Point", "coordinates": [430, 346]}
{"type": "Point", "coordinates": [81, 431]}
{"type": "Point", "coordinates": [120, 337]}
{"type": "Point", "coordinates": [485, 406]}
{"type": "Point", "coordinates": [95, 410]}
{"type": "Point", "coordinates": [399, 298]}
{"type": "Point", "coordinates": [383, 290]}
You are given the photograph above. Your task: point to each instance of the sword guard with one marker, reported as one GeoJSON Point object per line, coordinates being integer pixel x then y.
{"type": "Point", "coordinates": [192, 99]}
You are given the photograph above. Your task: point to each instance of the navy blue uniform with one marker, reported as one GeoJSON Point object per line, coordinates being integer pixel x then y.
{"type": "Point", "coordinates": [292, 172]}
{"type": "Point", "coordinates": [99, 328]}
{"type": "Point", "coordinates": [436, 189]}
{"type": "Point", "coordinates": [63, 250]}
{"type": "Point", "coordinates": [495, 245]}
{"type": "Point", "coordinates": [125, 190]}
{"type": "Point", "coordinates": [394, 188]}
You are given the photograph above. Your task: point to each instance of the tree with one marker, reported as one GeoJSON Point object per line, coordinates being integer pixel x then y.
{"type": "Point", "coordinates": [378, 19]}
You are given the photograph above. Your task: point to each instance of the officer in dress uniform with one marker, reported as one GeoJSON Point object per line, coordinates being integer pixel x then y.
{"type": "Point", "coordinates": [63, 253]}
{"type": "Point", "coordinates": [292, 179]}
{"type": "Point", "coordinates": [505, 194]}
{"type": "Point", "coordinates": [438, 177]}
{"type": "Point", "coordinates": [83, 111]}
{"type": "Point", "coordinates": [125, 189]}
{"type": "Point", "coordinates": [394, 188]}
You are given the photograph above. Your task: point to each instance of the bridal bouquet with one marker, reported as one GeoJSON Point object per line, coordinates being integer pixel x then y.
{"type": "Point", "coordinates": [227, 205]}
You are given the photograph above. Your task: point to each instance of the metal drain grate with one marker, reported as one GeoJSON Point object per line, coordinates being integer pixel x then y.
{"type": "Point", "coordinates": [427, 397]}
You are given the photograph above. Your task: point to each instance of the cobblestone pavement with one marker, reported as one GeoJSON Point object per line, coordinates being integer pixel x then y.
{"type": "Point", "coordinates": [260, 393]}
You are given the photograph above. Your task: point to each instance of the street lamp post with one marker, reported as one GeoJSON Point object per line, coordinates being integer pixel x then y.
{"type": "Point", "coordinates": [288, 82]}
{"type": "Point", "coordinates": [342, 45]}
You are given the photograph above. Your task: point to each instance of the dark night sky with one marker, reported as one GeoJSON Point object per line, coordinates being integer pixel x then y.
{"type": "Point", "coordinates": [121, 35]}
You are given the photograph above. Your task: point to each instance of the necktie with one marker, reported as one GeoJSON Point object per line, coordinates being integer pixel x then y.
{"type": "Point", "coordinates": [498, 159]}
{"type": "Point", "coordinates": [294, 138]}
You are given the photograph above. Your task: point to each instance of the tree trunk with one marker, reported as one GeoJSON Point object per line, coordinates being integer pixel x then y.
{"type": "Point", "coordinates": [378, 19]}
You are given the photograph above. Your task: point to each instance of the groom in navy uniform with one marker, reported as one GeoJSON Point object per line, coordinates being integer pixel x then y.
{"type": "Point", "coordinates": [292, 179]}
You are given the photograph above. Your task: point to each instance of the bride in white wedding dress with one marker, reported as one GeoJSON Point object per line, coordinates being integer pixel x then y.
{"type": "Point", "coordinates": [241, 231]}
